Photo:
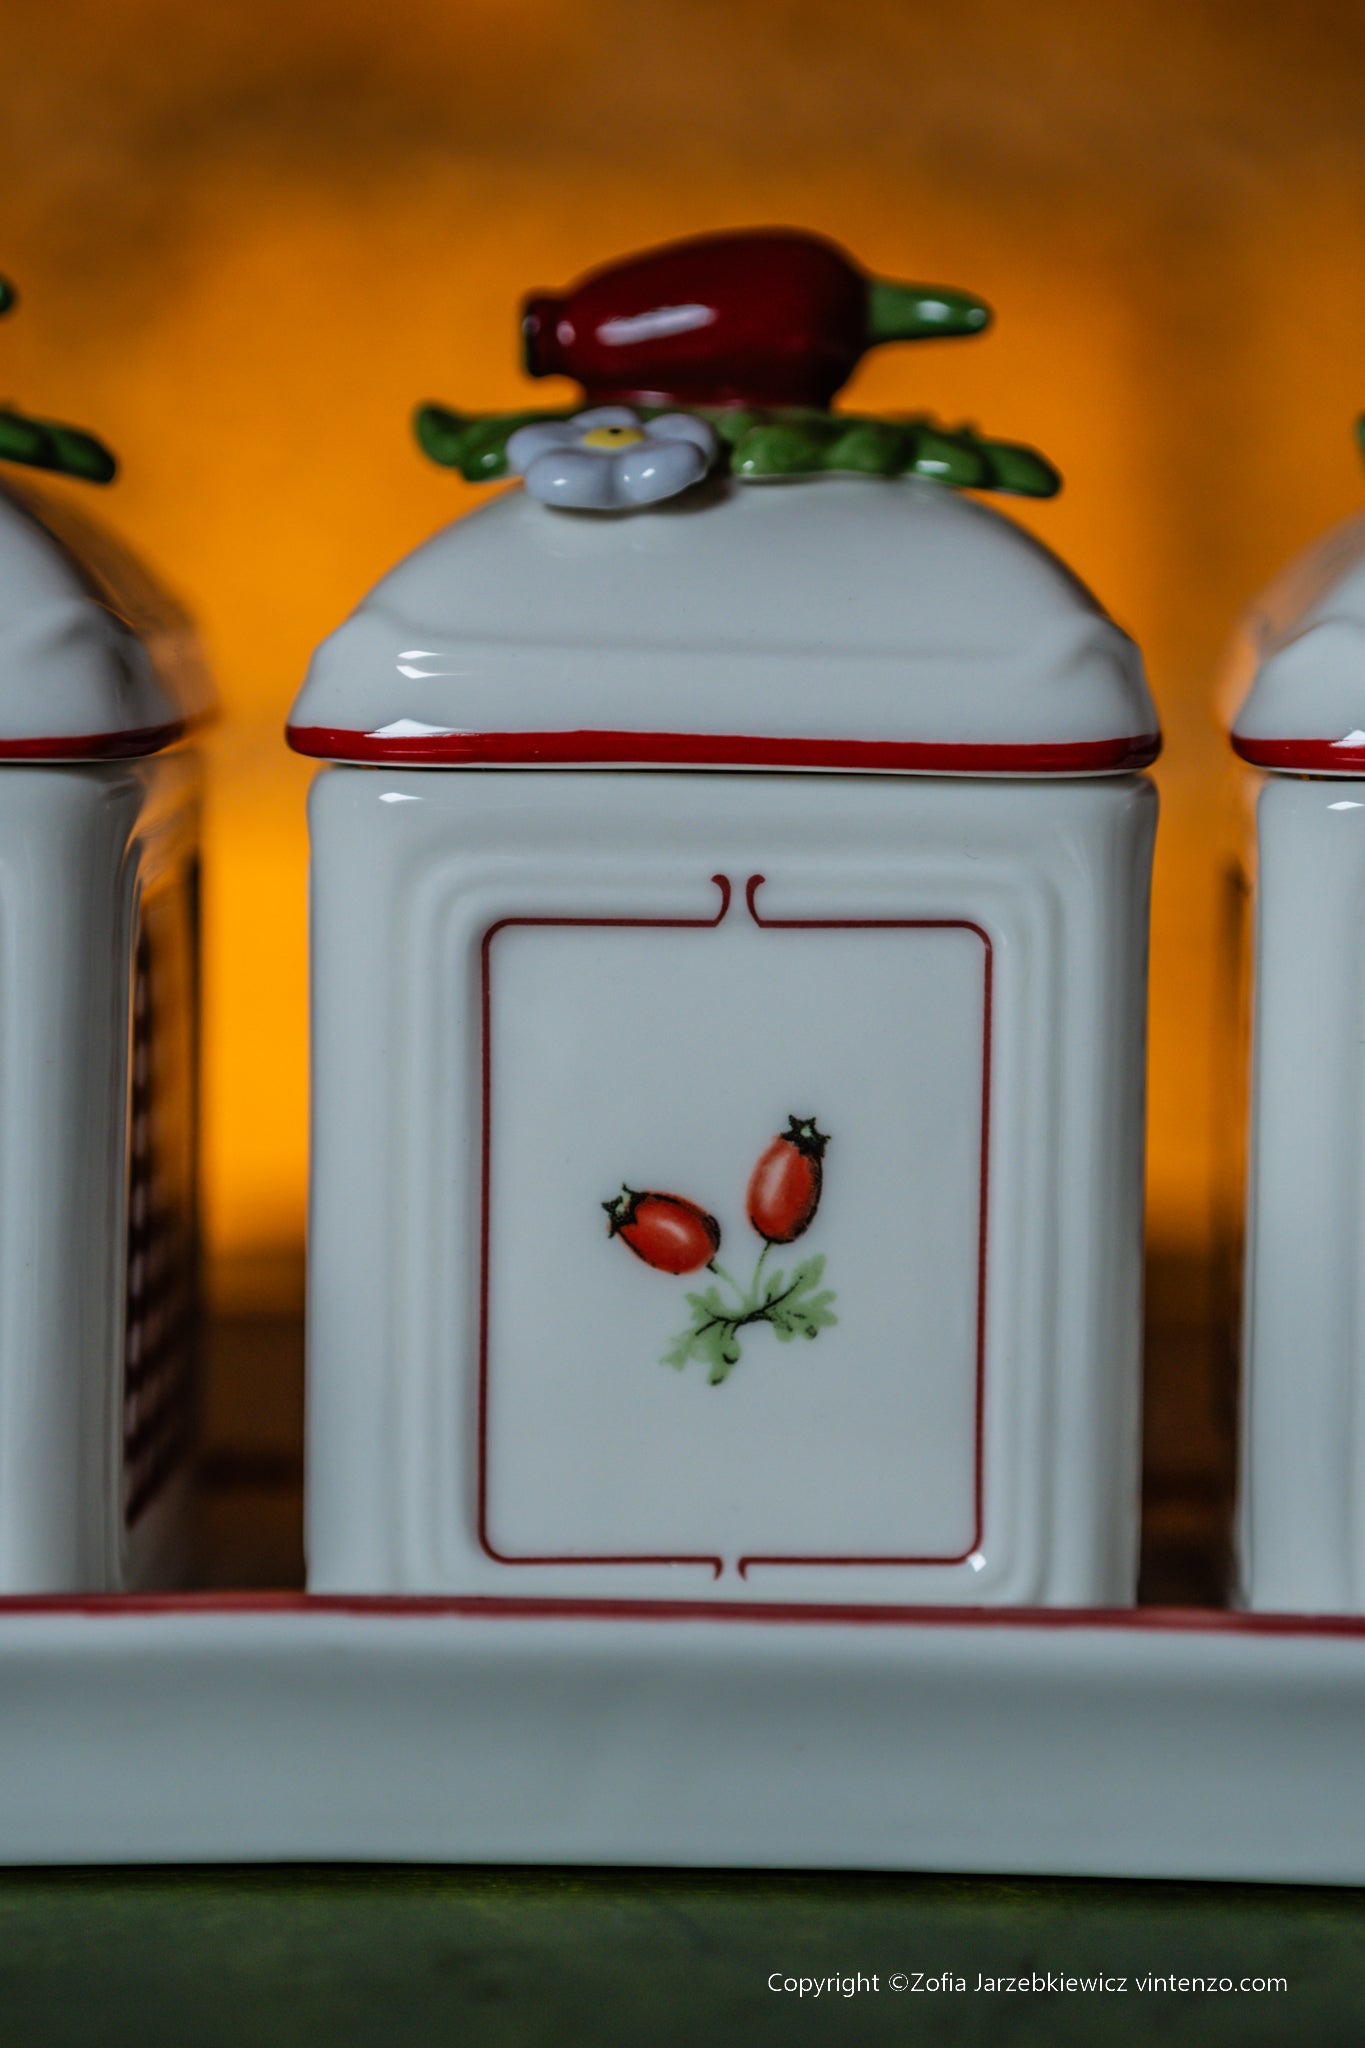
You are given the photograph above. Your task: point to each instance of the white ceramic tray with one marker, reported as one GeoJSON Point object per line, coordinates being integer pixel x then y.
{"type": "Point", "coordinates": [1168, 1744]}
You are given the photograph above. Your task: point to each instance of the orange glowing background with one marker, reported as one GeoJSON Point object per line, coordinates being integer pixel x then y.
{"type": "Point", "coordinates": [249, 238]}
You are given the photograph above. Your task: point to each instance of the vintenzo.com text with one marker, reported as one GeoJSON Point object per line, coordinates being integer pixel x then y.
{"type": "Point", "coordinates": [936, 1983]}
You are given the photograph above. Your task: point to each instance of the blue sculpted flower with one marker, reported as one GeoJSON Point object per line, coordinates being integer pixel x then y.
{"type": "Point", "coordinates": [610, 460]}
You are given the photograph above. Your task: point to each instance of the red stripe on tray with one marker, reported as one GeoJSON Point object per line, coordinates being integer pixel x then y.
{"type": "Point", "coordinates": [481, 1607]}
{"type": "Point", "coordinates": [735, 750]}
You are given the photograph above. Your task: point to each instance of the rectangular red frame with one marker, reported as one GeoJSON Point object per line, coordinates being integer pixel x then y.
{"type": "Point", "coordinates": [798, 1610]}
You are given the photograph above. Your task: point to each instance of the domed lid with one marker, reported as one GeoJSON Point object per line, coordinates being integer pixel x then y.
{"type": "Point", "coordinates": [863, 619]}
{"type": "Point", "coordinates": [840, 624]}
{"type": "Point", "coordinates": [1298, 663]}
{"type": "Point", "coordinates": [96, 661]}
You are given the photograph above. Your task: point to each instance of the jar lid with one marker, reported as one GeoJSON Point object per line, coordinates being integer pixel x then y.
{"type": "Point", "coordinates": [845, 623]}
{"type": "Point", "coordinates": [1298, 663]}
{"type": "Point", "coordinates": [97, 662]}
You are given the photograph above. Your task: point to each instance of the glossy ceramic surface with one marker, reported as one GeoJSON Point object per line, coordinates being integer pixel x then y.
{"type": "Point", "coordinates": [1302, 1518]}
{"type": "Point", "coordinates": [98, 929]}
{"type": "Point", "coordinates": [528, 991]}
{"type": "Point", "coordinates": [1171, 1746]}
{"type": "Point", "coordinates": [745, 338]}
{"type": "Point", "coordinates": [843, 623]}
{"type": "Point", "coordinates": [97, 662]}
{"type": "Point", "coordinates": [1299, 668]}
{"type": "Point", "coordinates": [768, 317]}
{"type": "Point", "coordinates": [1298, 674]}
{"type": "Point", "coordinates": [98, 996]}
{"type": "Point", "coordinates": [50, 444]}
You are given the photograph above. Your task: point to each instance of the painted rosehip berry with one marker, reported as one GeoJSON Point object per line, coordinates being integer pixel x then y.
{"type": "Point", "coordinates": [784, 1189]}
{"type": "Point", "coordinates": [664, 1230]}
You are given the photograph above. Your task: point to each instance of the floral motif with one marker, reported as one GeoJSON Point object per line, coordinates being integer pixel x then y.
{"type": "Point", "coordinates": [610, 459]}
{"type": "Point", "coordinates": [737, 344]}
{"type": "Point", "coordinates": [754, 444]}
{"type": "Point", "coordinates": [677, 1236]}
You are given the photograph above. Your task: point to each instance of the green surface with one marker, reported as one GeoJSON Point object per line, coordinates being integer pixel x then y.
{"type": "Point", "coordinates": [498, 1959]}
{"type": "Point", "coordinates": [921, 312]}
{"type": "Point", "coordinates": [49, 444]}
{"type": "Point", "coordinates": [791, 441]}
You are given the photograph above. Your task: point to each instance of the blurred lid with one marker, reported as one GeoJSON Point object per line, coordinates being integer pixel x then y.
{"type": "Point", "coordinates": [1298, 663]}
{"type": "Point", "coordinates": [97, 662]}
{"type": "Point", "coordinates": [836, 624]}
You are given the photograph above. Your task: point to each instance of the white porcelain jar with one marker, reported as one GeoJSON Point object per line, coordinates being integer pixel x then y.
{"type": "Point", "coordinates": [99, 848]}
{"type": "Point", "coordinates": [1300, 667]}
{"type": "Point", "coordinates": [727, 1151]}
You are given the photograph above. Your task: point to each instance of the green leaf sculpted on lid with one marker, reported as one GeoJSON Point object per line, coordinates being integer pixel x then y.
{"type": "Point", "coordinates": [780, 449]}
{"type": "Point", "coordinates": [474, 443]}
{"type": "Point", "coordinates": [758, 444]}
{"type": "Point", "coordinates": [50, 444]}
{"type": "Point", "coordinates": [868, 447]}
{"type": "Point", "coordinates": [919, 312]}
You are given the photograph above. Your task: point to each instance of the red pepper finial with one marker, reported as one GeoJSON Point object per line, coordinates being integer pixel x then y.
{"type": "Point", "coordinates": [768, 317]}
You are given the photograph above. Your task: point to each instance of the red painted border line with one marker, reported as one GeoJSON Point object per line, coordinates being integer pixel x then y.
{"type": "Point", "coordinates": [716, 1564]}
{"type": "Point", "coordinates": [95, 746]}
{"type": "Point", "coordinates": [1304, 757]}
{"type": "Point", "coordinates": [1212, 1621]}
{"type": "Point", "coordinates": [873, 924]}
{"type": "Point", "coordinates": [755, 882]}
{"type": "Point", "coordinates": [587, 747]}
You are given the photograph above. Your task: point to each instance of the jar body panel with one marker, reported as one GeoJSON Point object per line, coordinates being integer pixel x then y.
{"type": "Point", "coordinates": [726, 1187]}
{"type": "Point", "coordinates": [98, 872]}
{"type": "Point", "coordinates": [1301, 1515]}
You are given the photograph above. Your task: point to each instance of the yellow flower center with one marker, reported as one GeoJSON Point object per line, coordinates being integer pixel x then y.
{"type": "Point", "coordinates": [611, 437]}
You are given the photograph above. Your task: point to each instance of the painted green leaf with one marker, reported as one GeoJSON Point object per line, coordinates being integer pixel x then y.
{"type": "Point", "coordinates": [679, 1351]}
{"type": "Point", "coordinates": [801, 1311]}
{"type": "Point", "coordinates": [802, 1319]}
{"type": "Point", "coordinates": [712, 1338]}
{"type": "Point", "coordinates": [720, 1348]}
{"type": "Point", "coordinates": [793, 1306]}
{"type": "Point", "coordinates": [709, 1304]}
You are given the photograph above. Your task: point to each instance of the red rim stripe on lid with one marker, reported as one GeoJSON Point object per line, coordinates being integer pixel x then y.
{"type": "Point", "coordinates": [1303, 757]}
{"type": "Point", "coordinates": [96, 746]}
{"type": "Point", "coordinates": [707, 750]}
